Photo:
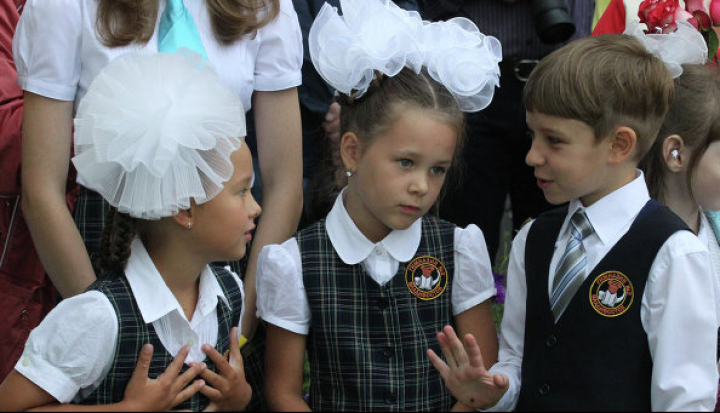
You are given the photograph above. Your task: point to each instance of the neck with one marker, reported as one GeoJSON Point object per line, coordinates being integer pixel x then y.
{"type": "Point", "coordinates": [179, 269]}
{"type": "Point", "coordinates": [678, 199]}
{"type": "Point", "coordinates": [370, 226]}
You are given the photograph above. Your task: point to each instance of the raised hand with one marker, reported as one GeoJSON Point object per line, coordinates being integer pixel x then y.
{"type": "Point", "coordinates": [227, 391]}
{"type": "Point", "coordinates": [166, 391]}
{"type": "Point", "coordinates": [465, 374]}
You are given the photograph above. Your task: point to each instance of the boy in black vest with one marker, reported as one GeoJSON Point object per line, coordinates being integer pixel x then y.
{"type": "Point", "coordinates": [617, 294]}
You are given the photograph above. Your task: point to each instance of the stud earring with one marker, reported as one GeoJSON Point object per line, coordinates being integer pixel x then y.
{"type": "Point", "coordinates": [189, 225]}
{"type": "Point", "coordinates": [349, 174]}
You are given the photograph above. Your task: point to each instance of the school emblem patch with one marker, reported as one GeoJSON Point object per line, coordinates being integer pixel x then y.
{"type": "Point", "coordinates": [611, 294]}
{"type": "Point", "coordinates": [426, 278]}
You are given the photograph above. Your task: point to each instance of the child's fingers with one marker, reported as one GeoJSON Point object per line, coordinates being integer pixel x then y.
{"type": "Point", "coordinates": [440, 365]}
{"type": "Point", "coordinates": [221, 363]}
{"type": "Point", "coordinates": [447, 352]}
{"type": "Point", "coordinates": [212, 378]}
{"type": "Point", "coordinates": [236, 359]}
{"type": "Point", "coordinates": [188, 392]}
{"type": "Point", "coordinates": [189, 375]}
{"type": "Point", "coordinates": [143, 364]}
{"type": "Point", "coordinates": [175, 366]}
{"type": "Point", "coordinates": [473, 352]}
{"type": "Point", "coordinates": [211, 393]}
{"type": "Point", "coordinates": [456, 346]}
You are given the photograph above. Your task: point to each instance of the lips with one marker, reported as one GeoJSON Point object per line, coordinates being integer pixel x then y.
{"type": "Point", "coordinates": [543, 183]}
{"type": "Point", "coordinates": [409, 209]}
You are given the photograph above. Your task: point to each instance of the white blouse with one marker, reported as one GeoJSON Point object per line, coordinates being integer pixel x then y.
{"type": "Point", "coordinates": [69, 354]}
{"type": "Point", "coordinates": [282, 300]}
{"type": "Point", "coordinates": [58, 54]}
{"type": "Point", "coordinates": [678, 308]}
{"type": "Point", "coordinates": [707, 235]}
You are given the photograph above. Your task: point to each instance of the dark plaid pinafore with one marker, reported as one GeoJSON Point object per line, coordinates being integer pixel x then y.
{"type": "Point", "coordinates": [90, 213]}
{"type": "Point", "coordinates": [367, 344]}
{"type": "Point", "coordinates": [133, 333]}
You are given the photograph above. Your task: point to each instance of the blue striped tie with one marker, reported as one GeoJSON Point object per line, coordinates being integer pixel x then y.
{"type": "Point", "coordinates": [570, 272]}
{"type": "Point", "coordinates": [177, 29]}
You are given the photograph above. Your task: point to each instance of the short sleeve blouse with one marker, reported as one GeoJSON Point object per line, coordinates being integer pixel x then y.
{"type": "Point", "coordinates": [58, 54]}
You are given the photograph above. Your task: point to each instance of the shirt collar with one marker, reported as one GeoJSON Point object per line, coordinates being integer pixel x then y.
{"type": "Point", "coordinates": [615, 211]}
{"type": "Point", "coordinates": [153, 297]}
{"type": "Point", "coordinates": [353, 247]}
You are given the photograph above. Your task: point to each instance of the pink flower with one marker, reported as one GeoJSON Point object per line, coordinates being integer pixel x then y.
{"type": "Point", "coordinates": [700, 17]}
{"type": "Point", "coordinates": [660, 15]}
{"type": "Point", "coordinates": [715, 12]}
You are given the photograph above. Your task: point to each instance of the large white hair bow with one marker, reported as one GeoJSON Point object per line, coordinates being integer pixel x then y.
{"type": "Point", "coordinates": [156, 130]}
{"type": "Point", "coordinates": [684, 46]}
{"type": "Point", "coordinates": [377, 35]}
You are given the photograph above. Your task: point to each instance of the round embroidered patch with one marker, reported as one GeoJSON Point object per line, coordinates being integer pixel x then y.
{"type": "Point", "coordinates": [611, 294]}
{"type": "Point", "coordinates": [426, 278]}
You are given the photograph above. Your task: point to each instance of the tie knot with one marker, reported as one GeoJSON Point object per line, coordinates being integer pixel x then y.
{"type": "Point", "coordinates": [582, 228]}
{"type": "Point", "coordinates": [174, 7]}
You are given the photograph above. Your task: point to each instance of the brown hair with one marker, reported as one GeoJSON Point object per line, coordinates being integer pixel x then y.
{"type": "Point", "coordinates": [121, 22]}
{"type": "Point", "coordinates": [388, 97]}
{"type": "Point", "coordinates": [606, 82]}
{"type": "Point", "coordinates": [374, 113]}
{"type": "Point", "coordinates": [118, 232]}
{"type": "Point", "coordinates": [694, 116]}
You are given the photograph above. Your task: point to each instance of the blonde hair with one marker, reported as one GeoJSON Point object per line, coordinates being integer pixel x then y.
{"type": "Point", "coordinates": [121, 22]}
{"type": "Point", "coordinates": [604, 81]}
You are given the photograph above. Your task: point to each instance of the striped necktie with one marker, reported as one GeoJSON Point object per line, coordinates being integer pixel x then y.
{"type": "Point", "coordinates": [570, 273]}
{"type": "Point", "coordinates": [177, 29]}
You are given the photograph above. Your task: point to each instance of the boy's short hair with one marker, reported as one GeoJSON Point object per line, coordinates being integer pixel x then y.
{"type": "Point", "coordinates": [605, 81]}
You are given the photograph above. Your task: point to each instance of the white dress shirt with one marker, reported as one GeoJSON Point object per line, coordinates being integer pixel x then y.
{"type": "Point", "coordinates": [678, 310]}
{"type": "Point", "coordinates": [69, 354]}
{"type": "Point", "coordinates": [282, 300]}
{"type": "Point", "coordinates": [57, 52]}
{"type": "Point", "coordinates": [707, 235]}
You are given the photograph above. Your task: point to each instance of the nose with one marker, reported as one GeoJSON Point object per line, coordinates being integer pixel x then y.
{"type": "Point", "coordinates": [419, 184]}
{"type": "Point", "coordinates": [255, 208]}
{"type": "Point", "coordinates": [534, 156]}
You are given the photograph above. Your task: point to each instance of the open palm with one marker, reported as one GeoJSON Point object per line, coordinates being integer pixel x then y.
{"type": "Point", "coordinates": [464, 371]}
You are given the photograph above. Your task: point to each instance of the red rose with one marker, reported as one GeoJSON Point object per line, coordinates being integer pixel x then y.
{"type": "Point", "coordinates": [660, 15]}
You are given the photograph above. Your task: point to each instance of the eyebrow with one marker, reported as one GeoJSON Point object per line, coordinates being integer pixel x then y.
{"type": "Point", "coordinates": [413, 154]}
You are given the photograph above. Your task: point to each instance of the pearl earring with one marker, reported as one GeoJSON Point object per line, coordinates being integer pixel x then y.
{"type": "Point", "coordinates": [349, 174]}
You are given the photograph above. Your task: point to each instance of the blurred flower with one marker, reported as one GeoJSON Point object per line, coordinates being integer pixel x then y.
{"type": "Point", "coordinates": [661, 16]}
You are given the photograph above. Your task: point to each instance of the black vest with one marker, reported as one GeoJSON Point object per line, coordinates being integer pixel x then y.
{"type": "Point", "coordinates": [133, 333]}
{"type": "Point", "coordinates": [596, 358]}
{"type": "Point", "coordinates": [367, 344]}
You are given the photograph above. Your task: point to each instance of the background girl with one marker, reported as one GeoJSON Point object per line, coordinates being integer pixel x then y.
{"type": "Point", "coordinates": [160, 138]}
{"type": "Point", "coordinates": [366, 289]}
{"type": "Point", "coordinates": [61, 45]}
{"type": "Point", "coordinates": [683, 168]}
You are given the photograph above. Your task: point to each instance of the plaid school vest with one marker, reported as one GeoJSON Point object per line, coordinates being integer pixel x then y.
{"type": "Point", "coordinates": [133, 333]}
{"type": "Point", "coordinates": [367, 344]}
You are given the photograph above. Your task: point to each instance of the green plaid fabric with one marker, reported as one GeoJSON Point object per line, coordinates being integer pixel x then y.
{"type": "Point", "coordinates": [133, 333]}
{"type": "Point", "coordinates": [89, 214]}
{"type": "Point", "coordinates": [367, 344]}
{"type": "Point", "coordinates": [253, 352]}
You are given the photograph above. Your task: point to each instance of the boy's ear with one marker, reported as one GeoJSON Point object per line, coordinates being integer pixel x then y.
{"type": "Point", "coordinates": [674, 153]}
{"type": "Point", "coordinates": [622, 144]}
{"type": "Point", "coordinates": [185, 217]}
{"type": "Point", "coordinates": [350, 150]}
